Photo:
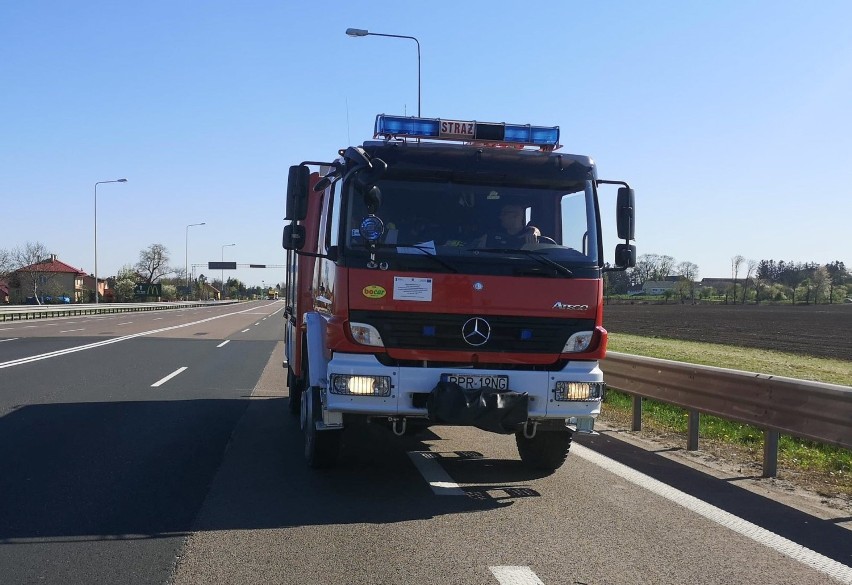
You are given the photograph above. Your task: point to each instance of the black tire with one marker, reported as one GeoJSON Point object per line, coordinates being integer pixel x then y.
{"type": "Point", "coordinates": [546, 450]}
{"type": "Point", "coordinates": [321, 447]}
{"type": "Point", "coordinates": [294, 389]}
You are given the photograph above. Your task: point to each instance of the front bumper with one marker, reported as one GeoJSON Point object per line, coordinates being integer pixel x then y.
{"type": "Point", "coordinates": [409, 385]}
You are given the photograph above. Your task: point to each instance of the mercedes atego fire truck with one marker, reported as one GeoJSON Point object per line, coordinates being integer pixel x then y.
{"type": "Point", "coordinates": [410, 303]}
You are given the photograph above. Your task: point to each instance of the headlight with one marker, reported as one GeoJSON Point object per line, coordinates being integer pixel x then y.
{"type": "Point", "coordinates": [365, 334]}
{"type": "Point", "coordinates": [578, 391]}
{"type": "Point", "coordinates": [578, 342]}
{"type": "Point", "coordinates": [360, 385]}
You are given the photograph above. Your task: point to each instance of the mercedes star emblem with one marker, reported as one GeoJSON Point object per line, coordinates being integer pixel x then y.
{"type": "Point", "coordinates": [476, 331]}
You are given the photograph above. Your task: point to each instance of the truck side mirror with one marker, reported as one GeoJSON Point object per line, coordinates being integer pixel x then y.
{"type": "Point", "coordinates": [297, 193]}
{"type": "Point", "coordinates": [294, 237]}
{"type": "Point", "coordinates": [625, 214]}
{"type": "Point", "coordinates": [625, 256]}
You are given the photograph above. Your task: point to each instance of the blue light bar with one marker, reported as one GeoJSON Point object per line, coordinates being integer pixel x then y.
{"type": "Point", "coordinates": [400, 126]}
{"type": "Point", "coordinates": [547, 137]}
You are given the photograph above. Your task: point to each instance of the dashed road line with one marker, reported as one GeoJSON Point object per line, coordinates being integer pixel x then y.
{"type": "Point", "coordinates": [52, 354]}
{"type": "Point", "coordinates": [439, 480]}
{"type": "Point", "coordinates": [9, 339]}
{"type": "Point", "coordinates": [169, 377]}
{"type": "Point", "coordinates": [515, 576]}
{"type": "Point", "coordinates": [224, 343]}
{"type": "Point", "coordinates": [70, 330]}
{"type": "Point", "coordinates": [244, 330]}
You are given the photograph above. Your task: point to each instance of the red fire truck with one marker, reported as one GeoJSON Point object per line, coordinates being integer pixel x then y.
{"type": "Point", "coordinates": [414, 299]}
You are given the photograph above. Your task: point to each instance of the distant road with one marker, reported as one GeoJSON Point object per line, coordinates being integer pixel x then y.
{"type": "Point", "coordinates": [156, 448]}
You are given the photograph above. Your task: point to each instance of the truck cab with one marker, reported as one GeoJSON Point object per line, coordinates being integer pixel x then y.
{"type": "Point", "coordinates": [449, 273]}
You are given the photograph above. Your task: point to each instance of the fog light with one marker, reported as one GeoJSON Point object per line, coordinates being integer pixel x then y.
{"type": "Point", "coordinates": [578, 391]}
{"type": "Point", "coordinates": [360, 385]}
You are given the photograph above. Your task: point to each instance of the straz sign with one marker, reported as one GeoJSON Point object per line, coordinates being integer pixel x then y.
{"type": "Point", "coordinates": [457, 129]}
{"type": "Point", "coordinates": [148, 290]}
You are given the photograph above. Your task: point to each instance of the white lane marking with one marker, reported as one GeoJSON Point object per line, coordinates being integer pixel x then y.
{"type": "Point", "coordinates": [60, 352]}
{"type": "Point", "coordinates": [70, 330]}
{"type": "Point", "coordinates": [169, 377]}
{"type": "Point", "coordinates": [223, 343]}
{"type": "Point", "coordinates": [438, 479]}
{"type": "Point", "coordinates": [806, 556]}
{"type": "Point", "coordinates": [157, 318]}
{"type": "Point", "coordinates": [125, 323]}
{"type": "Point", "coordinates": [244, 330]}
{"type": "Point", "coordinates": [515, 576]}
{"type": "Point", "coordinates": [10, 339]}
{"type": "Point", "coordinates": [256, 324]}
{"type": "Point", "coordinates": [7, 329]}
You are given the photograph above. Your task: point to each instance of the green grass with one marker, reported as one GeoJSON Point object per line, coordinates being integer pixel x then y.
{"type": "Point", "coordinates": [833, 462]}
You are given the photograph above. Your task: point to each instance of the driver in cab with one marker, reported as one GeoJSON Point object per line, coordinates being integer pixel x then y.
{"type": "Point", "coordinates": [513, 231]}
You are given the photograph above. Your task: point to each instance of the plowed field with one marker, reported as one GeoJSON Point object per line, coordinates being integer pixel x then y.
{"type": "Point", "coordinates": [821, 330]}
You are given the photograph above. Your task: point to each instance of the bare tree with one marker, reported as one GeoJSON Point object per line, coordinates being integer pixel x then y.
{"type": "Point", "coordinates": [653, 267]}
{"type": "Point", "coordinates": [6, 264]}
{"type": "Point", "coordinates": [153, 263]}
{"type": "Point", "coordinates": [27, 277]}
{"type": "Point", "coordinates": [736, 263]}
{"type": "Point", "coordinates": [820, 281]}
{"type": "Point", "coordinates": [688, 273]}
{"type": "Point", "coordinates": [751, 267]}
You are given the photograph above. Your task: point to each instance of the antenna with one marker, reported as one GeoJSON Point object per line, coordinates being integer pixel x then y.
{"type": "Point", "coordinates": [348, 138]}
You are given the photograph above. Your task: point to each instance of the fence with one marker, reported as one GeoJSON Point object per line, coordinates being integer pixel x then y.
{"type": "Point", "coordinates": [810, 410]}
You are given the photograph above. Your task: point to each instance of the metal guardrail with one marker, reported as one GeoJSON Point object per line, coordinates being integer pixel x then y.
{"type": "Point", "coordinates": [810, 410]}
{"type": "Point", "coordinates": [26, 312]}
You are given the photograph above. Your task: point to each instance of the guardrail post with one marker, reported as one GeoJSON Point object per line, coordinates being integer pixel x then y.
{"type": "Point", "coordinates": [692, 436]}
{"type": "Point", "coordinates": [770, 453]}
{"type": "Point", "coordinates": [637, 413]}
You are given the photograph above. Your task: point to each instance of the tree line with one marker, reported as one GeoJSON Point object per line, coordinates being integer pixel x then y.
{"type": "Point", "coordinates": [752, 281]}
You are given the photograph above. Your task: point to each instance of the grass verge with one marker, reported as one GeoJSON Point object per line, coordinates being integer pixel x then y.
{"type": "Point", "coordinates": [821, 468]}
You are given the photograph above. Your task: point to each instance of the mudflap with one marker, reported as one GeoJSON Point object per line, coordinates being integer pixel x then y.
{"type": "Point", "coordinates": [497, 411]}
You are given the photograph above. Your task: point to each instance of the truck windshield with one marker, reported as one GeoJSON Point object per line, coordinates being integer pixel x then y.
{"type": "Point", "coordinates": [476, 228]}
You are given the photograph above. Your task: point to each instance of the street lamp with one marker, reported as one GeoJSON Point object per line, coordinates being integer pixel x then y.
{"type": "Point", "coordinates": [97, 288]}
{"type": "Point", "coordinates": [223, 260]}
{"type": "Point", "coordinates": [186, 253]}
{"type": "Point", "coordinates": [360, 32]}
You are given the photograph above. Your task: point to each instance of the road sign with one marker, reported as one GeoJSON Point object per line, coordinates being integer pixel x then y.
{"type": "Point", "coordinates": [221, 265]}
{"type": "Point", "coordinates": [144, 289]}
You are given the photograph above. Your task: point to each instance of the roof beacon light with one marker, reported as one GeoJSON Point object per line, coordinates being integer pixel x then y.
{"type": "Point", "coordinates": [545, 137]}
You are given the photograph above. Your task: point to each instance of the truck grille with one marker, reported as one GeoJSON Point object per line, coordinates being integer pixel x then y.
{"type": "Point", "coordinates": [442, 331]}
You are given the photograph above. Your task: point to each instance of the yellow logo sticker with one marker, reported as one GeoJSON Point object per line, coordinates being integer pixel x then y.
{"type": "Point", "coordinates": [374, 291]}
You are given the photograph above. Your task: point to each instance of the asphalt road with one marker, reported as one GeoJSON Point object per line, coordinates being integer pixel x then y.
{"type": "Point", "coordinates": [117, 465]}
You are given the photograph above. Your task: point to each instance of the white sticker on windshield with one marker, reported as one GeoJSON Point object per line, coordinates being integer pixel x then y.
{"type": "Point", "coordinates": [408, 288]}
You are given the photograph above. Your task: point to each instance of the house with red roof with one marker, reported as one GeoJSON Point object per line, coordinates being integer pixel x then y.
{"type": "Point", "coordinates": [50, 277]}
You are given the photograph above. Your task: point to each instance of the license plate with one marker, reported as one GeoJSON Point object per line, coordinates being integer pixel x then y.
{"type": "Point", "coordinates": [476, 382]}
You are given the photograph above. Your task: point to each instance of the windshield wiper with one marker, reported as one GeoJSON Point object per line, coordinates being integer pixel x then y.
{"type": "Point", "coordinates": [534, 254]}
{"type": "Point", "coordinates": [427, 251]}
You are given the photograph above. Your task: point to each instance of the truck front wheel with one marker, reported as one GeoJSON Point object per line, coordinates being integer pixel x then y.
{"type": "Point", "coordinates": [546, 450]}
{"type": "Point", "coordinates": [321, 447]}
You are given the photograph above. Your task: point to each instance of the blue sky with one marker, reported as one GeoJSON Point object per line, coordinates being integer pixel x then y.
{"type": "Point", "coordinates": [732, 120]}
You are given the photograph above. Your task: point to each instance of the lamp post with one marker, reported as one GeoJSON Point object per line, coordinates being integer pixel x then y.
{"type": "Point", "coordinates": [360, 32]}
{"type": "Point", "coordinates": [223, 270]}
{"type": "Point", "coordinates": [186, 253]}
{"type": "Point", "coordinates": [97, 288]}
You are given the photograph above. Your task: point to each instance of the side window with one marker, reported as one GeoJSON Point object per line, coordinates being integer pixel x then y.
{"type": "Point", "coordinates": [573, 208]}
{"type": "Point", "coordinates": [333, 234]}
